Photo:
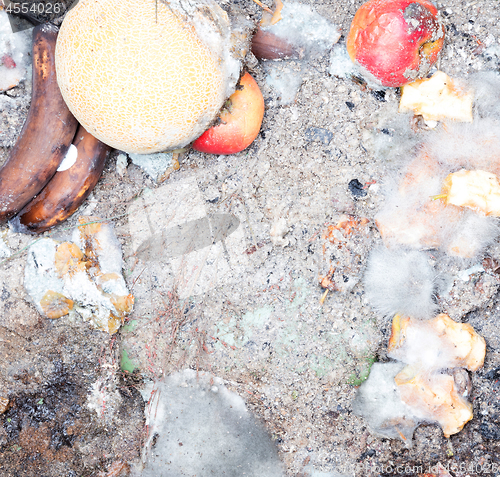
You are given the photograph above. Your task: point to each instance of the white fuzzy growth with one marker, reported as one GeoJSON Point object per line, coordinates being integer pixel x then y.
{"type": "Point", "coordinates": [400, 281]}
{"type": "Point", "coordinates": [340, 63]}
{"type": "Point", "coordinates": [486, 85]}
{"type": "Point", "coordinates": [378, 401]}
{"type": "Point", "coordinates": [86, 290]}
{"type": "Point", "coordinates": [425, 348]}
{"type": "Point", "coordinates": [473, 145]}
{"type": "Point", "coordinates": [304, 28]}
{"type": "Point", "coordinates": [154, 165]}
{"type": "Point", "coordinates": [285, 81]}
{"type": "Point", "coordinates": [39, 274]}
{"type": "Point", "coordinates": [106, 246]}
{"type": "Point", "coordinates": [394, 140]}
{"type": "Point", "coordinates": [203, 429]}
{"type": "Point", "coordinates": [17, 46]}
{"type": "Point", "coordinates": [410, 217]}
{"type": "Point", "coordinates": [471, 235]}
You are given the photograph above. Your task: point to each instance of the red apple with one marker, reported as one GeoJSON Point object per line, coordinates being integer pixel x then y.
{"type": "Point", "coordinates": [396, 41]}
{"type": "Point", "coordinates": [240, 121]}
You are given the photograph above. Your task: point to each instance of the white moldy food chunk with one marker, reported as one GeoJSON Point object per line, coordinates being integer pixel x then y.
{"type": "Point", "coordinates": [304, 28]}
{"type": "Point", "coordinates": [436, 397]}
{"type": "Point", "coordinates": [437, 98]}
{"type": "Point", "coordinates": [83, 275]}
{"type": "Point", "coordinates": [14, 54]}
{"type": "Point", "coordinates": [219, 435]}
{"type": "Point", "coordinates": [395, 400]}
{"type": "Point", "coordinates": [436, 344]}
{"type": "Point", "coordinates": [477, 190]}
{"type": "Point", "coordinates": [378, 401]}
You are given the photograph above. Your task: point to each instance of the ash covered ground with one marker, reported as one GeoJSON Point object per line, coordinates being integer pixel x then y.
{"type": "Point", "coordinates": [247, 309]}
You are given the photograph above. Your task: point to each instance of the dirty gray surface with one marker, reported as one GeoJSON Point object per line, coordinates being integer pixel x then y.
{"type": "Point", "coordinates": [248, 308]}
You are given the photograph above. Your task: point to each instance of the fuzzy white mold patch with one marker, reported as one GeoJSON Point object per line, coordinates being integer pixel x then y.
{"type": "Point", "coordinates": [379, 402]}
{"type": "Point", "coordinates": [310, 34]}
{"type": "Point", "coordinates": [14, 54]}
{"type": "Point", "coordinates": [400, 281]}
{"type": "Point", "coordinates": [304, 28]}
{"type": "Point", "coordinates": [199, 427]}
{"type": "Point", "coordinates": [84, 275]}
{"type": "Point", "coordinates": [154, 165]}
{"type": "Point", "coordinates": [394, 400]}
{"type": "Point", "coordinates": [415, 213]}
{"type": "Point", "coordinates": [340, 63]}
{"type": "Point", "coordinates": [285, 81]}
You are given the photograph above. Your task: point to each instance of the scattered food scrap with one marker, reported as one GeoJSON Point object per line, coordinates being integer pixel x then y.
{"type": "Point", "coordinates": [436, 344]}
{"type": "Point", "coordinates": [477, 190]}
{"type": "Point", "coordinates": [437, 98]}
{"type": "Point", "coordinates": [83, 274]}
{"type": "Point", "coordinates": [341, 254]}
{"type": "Point", "coordinates": [435, 397]}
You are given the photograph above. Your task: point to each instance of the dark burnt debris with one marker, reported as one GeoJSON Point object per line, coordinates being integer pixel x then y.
{"type": "Point", "coordinates": [53, 432]}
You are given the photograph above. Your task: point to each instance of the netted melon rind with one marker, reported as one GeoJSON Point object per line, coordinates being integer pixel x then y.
{"type": "Point", "coordinates": [137, 76]}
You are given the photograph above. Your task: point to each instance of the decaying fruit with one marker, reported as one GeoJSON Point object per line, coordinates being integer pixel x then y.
{"type": "Point", "coordinates": [437, 98]}
{"type": "Point", "coordinates": [436, 344]}
{"type": "Point", "coordinates": [240, 121]}
{"type": "Point", "coordinates": [395, 41]}
{"type": "Point", "coordinates": [55, 304]}
{"type": "Point", "coordinates": [46, 134]}
{"type": "Point", "coordinates": [83, 275]}
{"type": "Point", "coordinates": [435, 397]}
{"type": "Point", "coordinates": [147, 76]}
{"type": "Point", "coordinates": [267, 46]}
{"type": "Point", "coordinates": [67, 190]}
{"type": "Point", "coordinates": [477, 190]}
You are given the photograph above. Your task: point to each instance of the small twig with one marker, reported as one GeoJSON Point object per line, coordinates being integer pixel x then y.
{"type": "Point", "coordinates": [260, 4]}
{"type": "Point", "coordinates": [439, 196]}
{"type": "Point", "coordinates": [323, 297]}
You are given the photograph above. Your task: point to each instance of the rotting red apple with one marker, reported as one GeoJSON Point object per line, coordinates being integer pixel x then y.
{"type": "Point", "coordinates": [239, 122]}
{"type": "Point", "coordinates": [395, 41]}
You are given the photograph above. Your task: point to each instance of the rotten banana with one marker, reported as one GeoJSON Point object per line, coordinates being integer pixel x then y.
{"type": "Point", "coordinates": [46, 135]}
{"type": "Point", "coordinates": [67, 190]}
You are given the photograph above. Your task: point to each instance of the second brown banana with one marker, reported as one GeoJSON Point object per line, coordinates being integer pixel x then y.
{"type": "Point", "coordinates": [67, 190]}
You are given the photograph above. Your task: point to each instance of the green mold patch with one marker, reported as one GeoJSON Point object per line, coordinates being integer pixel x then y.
{"type": "Point", "coordinates": [129, 327]}
{"type": "Point", "coordinates": [302, 346]}
{"type": "Point", "coordinates": [126, 364]}
{"type": "Point", "coordinates": [360, 375]}
{"type": "Point", "coordinates": [237, 332]}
